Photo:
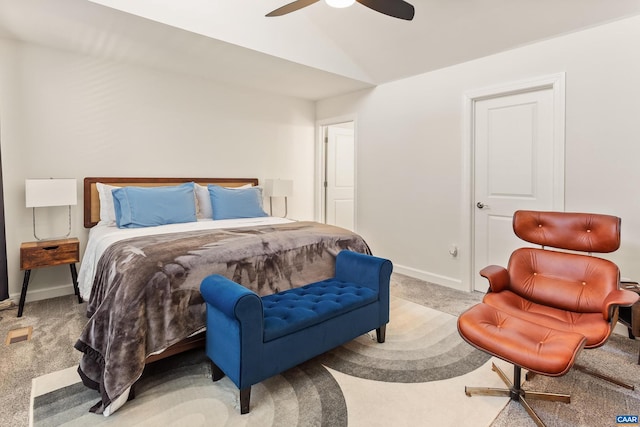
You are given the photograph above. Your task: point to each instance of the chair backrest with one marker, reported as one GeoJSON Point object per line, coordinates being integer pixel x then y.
{"type": "Point", "coordinates": [569, 281]}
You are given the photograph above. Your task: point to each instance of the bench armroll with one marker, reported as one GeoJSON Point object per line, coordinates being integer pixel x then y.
{"type": "Point", "coordinates": [225, 295]}
{"type": "Point", "coordinates": [365, 270]}
{"type": "Point", "coordinates": [369, 271]}
{"type": "Point", "coordinates": [235, 325]}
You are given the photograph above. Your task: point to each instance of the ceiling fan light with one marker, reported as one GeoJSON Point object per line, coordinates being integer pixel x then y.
{"type": "Point", "coordinates": [340, 3]}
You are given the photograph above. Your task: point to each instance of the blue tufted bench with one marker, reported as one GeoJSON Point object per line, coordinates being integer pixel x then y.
{"type": "Point", "coordinates": [250, 338]}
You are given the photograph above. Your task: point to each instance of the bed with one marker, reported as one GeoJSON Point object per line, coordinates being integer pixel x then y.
{"type": "Point", "coordinates": [140, 275]}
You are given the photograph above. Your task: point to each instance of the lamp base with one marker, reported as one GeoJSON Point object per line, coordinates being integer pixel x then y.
{"type": "Point", "coordinates": [271, 206]}
{"type": "Point", "coordinates": [50, 238]}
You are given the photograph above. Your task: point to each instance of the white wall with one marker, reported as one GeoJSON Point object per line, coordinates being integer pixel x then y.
{"type": "Point", "coordinates": [409, 139]}
{"type": "Point", "coordinates": [68, 115]}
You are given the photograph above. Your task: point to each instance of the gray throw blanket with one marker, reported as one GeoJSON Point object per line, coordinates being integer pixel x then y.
{"type": "Point", "coordinates": [146, 296]}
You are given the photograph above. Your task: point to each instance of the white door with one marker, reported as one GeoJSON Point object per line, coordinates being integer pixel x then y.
{"type": "Point", "coordinates": [514, 168]}
{"type": "Point", "coordinates": [340, 176]}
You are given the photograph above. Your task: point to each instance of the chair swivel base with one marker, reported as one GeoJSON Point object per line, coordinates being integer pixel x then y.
{"type": "Point", "coordinates": [596, 374]}
{"type": "Point", "coordinates": [608, 378]}
{"type": "Point", "coordinates": [516, 392]}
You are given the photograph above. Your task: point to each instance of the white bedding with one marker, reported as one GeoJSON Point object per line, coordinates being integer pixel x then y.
{"type": "Point", "coordinates": [102, 235]}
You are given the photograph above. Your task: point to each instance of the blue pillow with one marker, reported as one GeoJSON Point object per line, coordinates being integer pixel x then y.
{"type": "Point", "coordinates": [229, 203]}
{"type": "Point", "coordinates": [137, 207]}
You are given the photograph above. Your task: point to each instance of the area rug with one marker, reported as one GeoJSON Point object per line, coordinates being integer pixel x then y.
{"type": "Point", "coordinates": [419, 373]}
{"type": "Point", "coordinates": [594, 402]}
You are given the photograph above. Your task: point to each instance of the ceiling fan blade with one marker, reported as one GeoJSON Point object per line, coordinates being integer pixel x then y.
{"type": "Point", "coordinates": [292, 7]}
{"type": "Point", "coordinates": [396, 8]}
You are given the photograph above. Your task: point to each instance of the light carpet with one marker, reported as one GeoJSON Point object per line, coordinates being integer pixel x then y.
{"type": "Point", "coordinates": [594, 402]}
{"type": "Point", "coordinates": [417, 376]}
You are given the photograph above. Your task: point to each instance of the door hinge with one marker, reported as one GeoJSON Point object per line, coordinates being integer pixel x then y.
{"type": "Point", "coordinates": [326, 139]}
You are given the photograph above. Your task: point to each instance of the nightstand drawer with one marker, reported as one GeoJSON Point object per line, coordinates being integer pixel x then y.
{"type": "Point", "coordinates": [49, 253]}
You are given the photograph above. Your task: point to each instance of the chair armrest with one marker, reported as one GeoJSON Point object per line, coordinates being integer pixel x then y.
{"type": "Point", "coordinates": [620, 298]}
{"type": "Point", "coordinates": [497, 276]}
{"type": "Point", "coordinates": [362, 269]}
{"type": "Point", "coordinates": [227, 296]}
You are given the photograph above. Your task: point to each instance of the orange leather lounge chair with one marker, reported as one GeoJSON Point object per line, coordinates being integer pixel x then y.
{"type": "Point", "coordinates": [548, 304]}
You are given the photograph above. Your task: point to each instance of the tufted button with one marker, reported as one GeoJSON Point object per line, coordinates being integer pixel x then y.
{"type": "Point", "coordinates": [301, 307]}
{"type": "Point", "coordinates": [539, 225]}
{"type": "Point", "coordinates": [588, 231]}
{"type": "Point", "coordinates": [584, 283]}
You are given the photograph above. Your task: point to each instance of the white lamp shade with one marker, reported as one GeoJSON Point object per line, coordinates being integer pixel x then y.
{"type": "Point", "coordinates": [278, 188]}
{"type": "Point", "coordinates": [50, 192]}
{"type": "Point", "coordinates": [340, 3]}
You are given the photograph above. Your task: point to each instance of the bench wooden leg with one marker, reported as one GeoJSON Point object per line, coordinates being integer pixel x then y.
{"type": "Point", "coordinates": [245, 393]}
{"type": "Point", "coordinates": [216, 373]}
{"type": "Point", "coordinates": [381, 333]}
{"type": "Point", "coordinates": [245, 396]}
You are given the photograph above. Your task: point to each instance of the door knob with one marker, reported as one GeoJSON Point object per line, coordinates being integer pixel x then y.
{"type": "Point", "coordinates": [481, 205]}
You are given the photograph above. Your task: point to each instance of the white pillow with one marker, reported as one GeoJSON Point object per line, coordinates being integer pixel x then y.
{"type": "Point", "coordinates": [107, 211]}
{"type": "Point", "coordinates": [203, 201]}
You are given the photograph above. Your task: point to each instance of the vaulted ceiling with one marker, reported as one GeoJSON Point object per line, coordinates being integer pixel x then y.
{"type": "Point", "coordinates": [313, 53]}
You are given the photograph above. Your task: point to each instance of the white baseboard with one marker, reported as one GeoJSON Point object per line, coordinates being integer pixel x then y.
{"type": "Point", "coordinates": [620, 329]}
{"type": "Point", "coordinates": [40, 294]}
{"type": "Point", "coordinates": [437, 279]}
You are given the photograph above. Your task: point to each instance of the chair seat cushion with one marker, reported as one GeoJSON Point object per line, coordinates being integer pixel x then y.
{"type": "Point", "coordinates": [295, 309]}
{"type": "Point", "coordinates": [591, 325]}
{"type": "Point", "coordinates": [529, 345]}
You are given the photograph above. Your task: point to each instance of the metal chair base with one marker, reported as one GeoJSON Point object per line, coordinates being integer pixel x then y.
{"type": "Point", "coordinates": [604, 377]}
{"type": "Point", "coordinates": [516, 392]}
{"type": "Point", "coordinates": [596, 374]}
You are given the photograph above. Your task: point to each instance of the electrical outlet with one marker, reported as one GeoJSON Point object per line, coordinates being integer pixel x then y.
{"type": "Point", "coordinates": [453, 250]}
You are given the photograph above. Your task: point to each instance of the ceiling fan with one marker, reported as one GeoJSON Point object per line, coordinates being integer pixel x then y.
{"type": "Point", "coordinates": [395, 8]}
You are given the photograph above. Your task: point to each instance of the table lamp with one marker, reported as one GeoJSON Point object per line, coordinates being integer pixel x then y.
{"type": "Point", "coordinates": [40, 193]}
{"type": "Point", "coordinates": [278, 188]}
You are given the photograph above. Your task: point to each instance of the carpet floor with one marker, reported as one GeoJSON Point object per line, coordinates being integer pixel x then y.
{"type": "Point", "coordinates": [416, 377]}
{"type": "Point", "coordinates": [361, 383]}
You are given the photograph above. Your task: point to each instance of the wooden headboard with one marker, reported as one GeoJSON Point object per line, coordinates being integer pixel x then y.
{"type": "Point", "coordinates": [92, 200]}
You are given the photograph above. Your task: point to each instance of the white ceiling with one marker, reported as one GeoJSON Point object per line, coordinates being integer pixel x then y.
{"type": "Point", "coordinates": [313, 53]}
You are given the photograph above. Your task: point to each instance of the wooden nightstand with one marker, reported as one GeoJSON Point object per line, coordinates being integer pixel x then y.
{"type": "Point", "coordinates": [48, 253]}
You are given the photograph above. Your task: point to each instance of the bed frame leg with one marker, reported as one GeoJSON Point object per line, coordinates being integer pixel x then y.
{"type": "Point", "coordinates": [245, 397]}
{"type": "Point", "coordinates": [216, 373]}
{"type": "Point", "coordinates": [381, 333]}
